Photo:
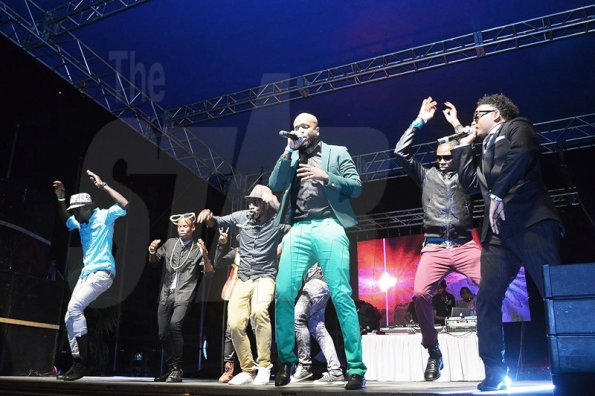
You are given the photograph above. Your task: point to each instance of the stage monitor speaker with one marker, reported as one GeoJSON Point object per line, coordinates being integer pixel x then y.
{"type": "Point", "coordinates": [570, 303]}
{"type": "Point", "coordinates": [29, 323]}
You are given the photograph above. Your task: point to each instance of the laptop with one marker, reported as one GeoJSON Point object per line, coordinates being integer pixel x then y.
{"type": "Point", "coordinates": [460, 312]}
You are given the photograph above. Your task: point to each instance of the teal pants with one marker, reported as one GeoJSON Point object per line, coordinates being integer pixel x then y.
{"type": "Point", "coordinates": [308, 242]}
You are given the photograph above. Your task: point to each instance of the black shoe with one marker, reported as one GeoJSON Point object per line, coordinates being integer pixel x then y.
{"type": "Point", "coordinates": [434, 365]}
{"type": "Point", "coordinates": [283, 375]}
{"type": "Point", "coordinates": [493, 381]}
{"type": "Point", "coordinates": [77, 371]}
{"type": "Point", "coordinates": [64, 374]}
{"type": "Point", "coordinates": [355, 382]}
{"type": "Point", "coordinates": [175, 375]}
{"type": "Point", "coordinates": [163, 376]}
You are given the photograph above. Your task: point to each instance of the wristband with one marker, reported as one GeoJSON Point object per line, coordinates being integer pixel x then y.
{"type": "Point", "coordinates": [102, 185]}
{"type": "Point", "coordinates": [417, 123]}
{"type": "Point", "coordinates": [61, 199]}
{"type": "Point", "coordinates": [151, 252]}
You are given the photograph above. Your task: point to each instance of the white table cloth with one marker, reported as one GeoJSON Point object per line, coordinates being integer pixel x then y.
{"type": "Point", "coordinates": [401, 357]}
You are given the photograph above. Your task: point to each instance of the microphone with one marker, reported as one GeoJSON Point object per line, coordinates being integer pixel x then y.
{"type": "Point", "coordinates": [290, 135]}
{"type": "Point", "coordinates": [457, 136]}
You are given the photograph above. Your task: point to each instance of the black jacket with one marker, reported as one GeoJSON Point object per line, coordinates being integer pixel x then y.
{"type": "Point", "coordinates": [448, 211]}
{"type": "Point", "coordinates": [512, 172]}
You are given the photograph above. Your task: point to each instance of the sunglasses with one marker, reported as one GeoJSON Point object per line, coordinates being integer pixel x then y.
{"type": "Point", "coordinates": [444, 157]}
{"type": "Point", "coordinates": [191, 216]}
{"type": "Point", "coordinates": [480, 113]}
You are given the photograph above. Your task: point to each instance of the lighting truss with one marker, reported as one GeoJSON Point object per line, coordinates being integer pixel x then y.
{"type": "Point", "coordinates": [414, 217]}
{"type": "Point", "coordinates": [471, 46]}
{"type": "Point", "coordinates": [72, 15]}
{"type": "Point", "coordinates": [84, 69]}
{"type": "Point", "coordinates": [562, 134]}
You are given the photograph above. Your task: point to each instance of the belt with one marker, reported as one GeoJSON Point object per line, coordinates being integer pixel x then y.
{"type": "Point", "coordinates": [446, 243]}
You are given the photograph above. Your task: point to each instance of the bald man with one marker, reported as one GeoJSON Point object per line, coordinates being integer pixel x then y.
{"type": "Point", "coordinates": [317, 179]}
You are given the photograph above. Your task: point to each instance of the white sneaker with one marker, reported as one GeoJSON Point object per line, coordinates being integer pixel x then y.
{"type": "Point", "coordinates": [301, 373]}
{"type": "Point", "coordinates": [242, 378]}
{"type": "Point", "coordinates": [330, 379]}
{"type": "Point", "coordinates": [263, 376]}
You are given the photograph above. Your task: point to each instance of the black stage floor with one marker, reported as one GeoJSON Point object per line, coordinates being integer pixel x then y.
{"type": "Point", "coordinates": [90, 386]}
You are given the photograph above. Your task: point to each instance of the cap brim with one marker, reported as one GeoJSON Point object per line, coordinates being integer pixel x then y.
{"type": "Point", "coordinates": [80, 205]}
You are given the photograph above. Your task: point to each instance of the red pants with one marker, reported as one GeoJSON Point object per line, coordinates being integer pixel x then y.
{"type": "Point", "coordinates": [435, 263]}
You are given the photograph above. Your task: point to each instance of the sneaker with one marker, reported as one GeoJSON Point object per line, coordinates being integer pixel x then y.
{"type": "Point", "coordinates": [175, 375]}
{"type": "Point", "coordinates": [228, 373]}
{"type": "Point", "coordinates": [263, 376]}
{"type": "Point", "coordinates": [242, 378]}
{"type": "Point", "coordinates": [328, 378]}
{"type": "Point", "coordinates": [301, 373]}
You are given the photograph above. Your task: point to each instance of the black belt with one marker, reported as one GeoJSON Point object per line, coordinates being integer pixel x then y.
{"type": "Point", "coordinates": [445, 242]}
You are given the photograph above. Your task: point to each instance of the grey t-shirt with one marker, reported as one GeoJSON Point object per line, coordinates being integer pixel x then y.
{"type": "Point", "coordinates": [258, 244]}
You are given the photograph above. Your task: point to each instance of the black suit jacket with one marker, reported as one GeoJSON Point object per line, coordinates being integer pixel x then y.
{"type": "Point", "coordinates": [512, 171]}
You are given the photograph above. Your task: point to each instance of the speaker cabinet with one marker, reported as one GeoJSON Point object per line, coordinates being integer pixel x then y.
{"type": "Point", "coordinates": [570, 303]}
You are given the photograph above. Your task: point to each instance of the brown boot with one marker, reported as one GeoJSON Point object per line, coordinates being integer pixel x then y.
{"type": "Point", "coordinates": [228, 373]}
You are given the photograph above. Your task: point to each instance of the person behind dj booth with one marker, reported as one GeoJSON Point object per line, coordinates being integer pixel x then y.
{"type": "Point", "coordinates": [469, 300]}
{"type": "Point", "coordinates": [182, 257]}
{"type": "Point", "coordinates": [443, 302]}
{"type": "Point", "coordinates": [447, 224]}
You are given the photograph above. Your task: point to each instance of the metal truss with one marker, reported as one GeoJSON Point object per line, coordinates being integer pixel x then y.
{"type": "Point", "coordinates": [72, 15]}
{"type": "Point", "coordinates": [471, 46]}
{"type": "Point", "coordinates": [414, 217]}
{"type": "Point", "coordinates": [563, 134]}
{"type": "Point", "coordinates": [84, 69]}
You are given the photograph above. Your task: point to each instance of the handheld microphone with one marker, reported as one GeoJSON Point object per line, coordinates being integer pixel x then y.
{"type": "Point", "coordinates": [290, 135]}
{"type": "Point", "coordinates": [457, 136]}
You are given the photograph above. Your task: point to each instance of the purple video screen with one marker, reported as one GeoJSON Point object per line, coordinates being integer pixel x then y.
{"type": "Point", "coordinates": [390, 264]}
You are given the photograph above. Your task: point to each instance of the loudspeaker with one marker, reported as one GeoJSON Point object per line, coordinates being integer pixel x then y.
{"type": "Point", "coordinates": [570, 303]}
{"type": "Point", "coordinates": [29, 322]}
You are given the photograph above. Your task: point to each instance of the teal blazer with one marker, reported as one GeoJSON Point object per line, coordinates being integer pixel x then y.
{"type": "Point", "coordinates": [343, 183]}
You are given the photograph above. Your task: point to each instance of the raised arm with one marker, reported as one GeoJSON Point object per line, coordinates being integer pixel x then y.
{"type": "Point", "coordinates": [100, 184]}
{"type": "Point", "coordinates": [60, 192]}
{"type": "Point", "coordinates": [403, 148]}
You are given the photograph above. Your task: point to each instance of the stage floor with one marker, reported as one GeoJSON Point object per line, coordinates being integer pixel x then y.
{"type": "Point", "coordinates": [89, 386]}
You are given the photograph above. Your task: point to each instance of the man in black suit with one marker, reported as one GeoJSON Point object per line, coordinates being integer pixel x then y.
{"type": "Point", "coordinates": [520, 226]}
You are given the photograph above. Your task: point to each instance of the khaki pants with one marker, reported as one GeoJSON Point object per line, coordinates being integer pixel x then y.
{"type": "Point", "coordinates": [250, 300]}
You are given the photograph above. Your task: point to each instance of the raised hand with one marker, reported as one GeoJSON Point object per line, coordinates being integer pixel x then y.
{"type": "Point", "coordinates": [451, 114]}
{"type": "Point", "coordinates": [427, 109]}
{"type": "Point", "coordinates": [96, 179]}
{"type": "Point", "coordinates": [154, 245]}
{"type": "Point", "coordinates": [59, 189]}
{"type": "Point", "coordinates": [223, 236]}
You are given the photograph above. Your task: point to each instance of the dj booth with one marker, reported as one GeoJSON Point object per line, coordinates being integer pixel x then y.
{"type": "Point", "coordinates": [397, 355]}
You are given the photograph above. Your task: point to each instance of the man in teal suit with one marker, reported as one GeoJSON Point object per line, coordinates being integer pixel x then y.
{"type": "Point", "coordinates": [317, 179]}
